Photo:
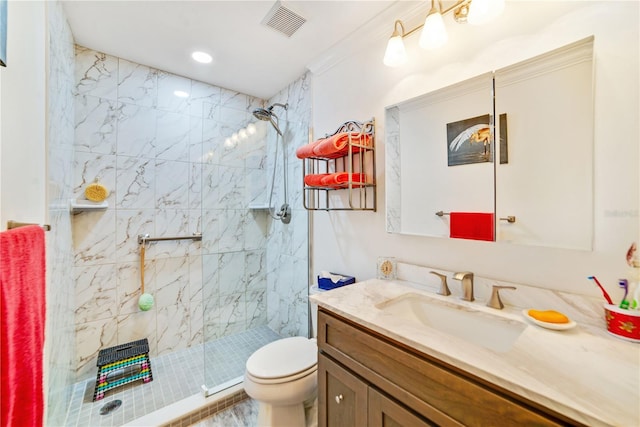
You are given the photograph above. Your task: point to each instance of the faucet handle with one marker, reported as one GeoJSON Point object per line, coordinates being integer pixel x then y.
{"type": "Point", "coordinates": [444, 289]}
{"type": "Point", "coordinates": [495, 301]}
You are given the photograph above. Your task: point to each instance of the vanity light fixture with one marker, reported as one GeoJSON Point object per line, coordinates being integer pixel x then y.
{"type": "Point", "coordinates": [395, 55]}
{"type": "Point", "coordinates": [201, 57]}
{"type": "Point", "coordinates": [434, 32]}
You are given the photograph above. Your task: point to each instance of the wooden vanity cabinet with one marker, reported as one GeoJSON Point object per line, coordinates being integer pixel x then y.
{"type": "Point", "coordinates": [368, 379]}
{"type": "Point", "coordinates": [349, 401]}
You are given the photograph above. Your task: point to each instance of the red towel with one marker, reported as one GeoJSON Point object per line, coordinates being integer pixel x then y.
{"type": "Point", "coordinates": [22, 285]}
{"type": "Point", "coordinates": [334, 180]}
{"type": "Point", "coordinates": [341, 180]}
{"type": "Point", "coordinates": [306, 151]}
{"type": "Point", "coordinates": [314, 180]}
{"type": "Point", "coordinates": [337, 145]}
{"type": "Point", "coordinates": [471, 225]}
{"type": "Point", "coordinates": [334, 146]}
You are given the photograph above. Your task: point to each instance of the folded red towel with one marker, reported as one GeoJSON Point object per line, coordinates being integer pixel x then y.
{"type": "Point", "coordinates": [341, 180]}
{"type": "Point", "coordinates": [334, 146]}
{"type": "Point", "coordinates": [335, 180]}
{"type": "Point", "coordinates": [314, 180]}
{"type": "Point", "coordinates": [22, 288]}
{"type": "Point", "coordinates": [471, 225]}
{"type": "Point", "coordinates": [306, 151]}
{"type": "Point", "coordinates": [338, 144]}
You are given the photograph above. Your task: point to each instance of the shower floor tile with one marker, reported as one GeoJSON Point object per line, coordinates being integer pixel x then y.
{"type": "Point", "coordinates": [175, 376]}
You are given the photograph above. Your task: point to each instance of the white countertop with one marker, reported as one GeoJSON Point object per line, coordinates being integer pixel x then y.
{"type": "Point", "coordinates": [582, 373]}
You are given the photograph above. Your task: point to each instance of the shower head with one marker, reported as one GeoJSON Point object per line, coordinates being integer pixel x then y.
{"type": "Point", "coordinates": [267, 115]}
{"type": "Point", "coordinates": [262, 114]}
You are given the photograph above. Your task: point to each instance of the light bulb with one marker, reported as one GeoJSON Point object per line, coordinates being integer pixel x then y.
{"type": "Point", "coordinates": [251, 129]}
{"type": "Point", "coordinates": [483, 11]}
{"type": "Point", "coordinates": [235, 137]}
{"type": "Point", "coordinates": [395, 55]}
{"type": "Point", "coordinates": [434, 33]}
{"type": "Point", "coordinates": [201, 57]}
{"type": "Point", "coordinates": [242, 134]}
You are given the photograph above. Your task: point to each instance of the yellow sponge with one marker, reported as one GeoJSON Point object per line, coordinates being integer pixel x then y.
{"type": "Point", "coordinates": [96, 192]}
{"type": "Point", "coordinates": [549, 316]}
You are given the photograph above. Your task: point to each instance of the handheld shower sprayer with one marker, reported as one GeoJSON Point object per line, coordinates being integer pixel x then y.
{"type": "Point", "coordinates": [267, 115]}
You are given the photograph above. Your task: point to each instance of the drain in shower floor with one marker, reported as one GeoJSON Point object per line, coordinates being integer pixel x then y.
{"type": "Point", "coordinates": [110, 407]}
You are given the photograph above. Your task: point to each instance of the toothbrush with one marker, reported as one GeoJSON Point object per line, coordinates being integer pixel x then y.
{"type": "Point", "coordinates": [604, 292]}
{"type": "Point", "coordinates": [636, 298]}
{"type": "Point", "coordinates": [625, 285]}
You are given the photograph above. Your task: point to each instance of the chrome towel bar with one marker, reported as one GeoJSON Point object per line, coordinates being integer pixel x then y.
{"type": "Point", "coordinates": [510, 219]}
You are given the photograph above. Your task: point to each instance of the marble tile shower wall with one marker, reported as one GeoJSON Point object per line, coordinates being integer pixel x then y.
{"type": "Point", "coordinates": [287, 244]}
{"type": "Point", "coordinates": [60, 340]}
{"type": "Point", "coordinates": [170, 173]}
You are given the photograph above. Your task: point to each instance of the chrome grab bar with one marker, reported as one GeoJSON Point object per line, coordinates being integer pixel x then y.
{"type": "Point", "coordinates": [144, 238]}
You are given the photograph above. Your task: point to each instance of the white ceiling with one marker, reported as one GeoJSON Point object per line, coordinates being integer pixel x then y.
{"type": "Point", "coordinates": [248, 56]}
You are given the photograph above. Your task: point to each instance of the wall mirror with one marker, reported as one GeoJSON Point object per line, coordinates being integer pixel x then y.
{"type": "Point", "coordinates": [506, 156]}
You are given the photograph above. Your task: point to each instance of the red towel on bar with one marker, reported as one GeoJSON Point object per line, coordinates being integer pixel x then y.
{"type": "Point", "coordinates": [22, 285]}
{"type": "Point", "coordinates": [471, 225]}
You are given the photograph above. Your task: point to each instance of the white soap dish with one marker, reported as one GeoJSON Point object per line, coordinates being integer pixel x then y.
{"type": "Point", "coordinates": [549, 325]}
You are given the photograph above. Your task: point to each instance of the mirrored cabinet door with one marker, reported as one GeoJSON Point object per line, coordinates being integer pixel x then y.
{"type": "Point", "coordinates": [544, 108]}
{"type": "Point", "coordinates": [510, 152]}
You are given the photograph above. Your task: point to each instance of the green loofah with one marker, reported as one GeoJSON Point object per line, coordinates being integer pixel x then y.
{"type": "Point", "coordinates": [145, 302]}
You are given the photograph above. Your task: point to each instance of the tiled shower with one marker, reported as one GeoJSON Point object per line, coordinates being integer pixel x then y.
{"type": "Point", "coordinates": [172, 172]}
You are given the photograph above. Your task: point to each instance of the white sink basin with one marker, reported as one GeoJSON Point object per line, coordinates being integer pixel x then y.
{"type": "Point", "coordinates": [476, 327]}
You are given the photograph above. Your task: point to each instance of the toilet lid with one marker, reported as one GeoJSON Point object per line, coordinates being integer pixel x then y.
{"type": "Point", "coordinates": [283, 358]}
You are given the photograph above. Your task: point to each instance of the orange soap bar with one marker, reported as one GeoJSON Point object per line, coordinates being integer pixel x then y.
{"type": "Point", "coordinates": [549, 316]}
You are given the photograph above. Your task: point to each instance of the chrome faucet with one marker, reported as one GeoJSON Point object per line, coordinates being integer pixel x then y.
{"type": "Point", "coordinates": [467, 284]}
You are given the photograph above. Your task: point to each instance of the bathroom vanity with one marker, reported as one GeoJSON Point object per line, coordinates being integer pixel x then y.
{"type": "Point", "coordinates": [373, 373]}
{"type": "Point", "coordinates": [380, 367]}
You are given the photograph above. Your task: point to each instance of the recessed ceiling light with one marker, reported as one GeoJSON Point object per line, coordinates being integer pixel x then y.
{"type": "Point", "coordinates": [181, 93]}
{"type": "Point", "coordinates": [201, 57]}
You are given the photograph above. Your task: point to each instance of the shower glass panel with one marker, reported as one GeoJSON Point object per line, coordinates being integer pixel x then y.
{"type": "Point", "coordinates": [247, 291]}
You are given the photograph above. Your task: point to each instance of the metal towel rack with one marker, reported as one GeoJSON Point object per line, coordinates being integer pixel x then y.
{"type": "Point", "coordinates": [144, 238]}
{"type": "Point", "coordinates": [511, 219]}
{"type": "Point", "coordinates": [15, 224]}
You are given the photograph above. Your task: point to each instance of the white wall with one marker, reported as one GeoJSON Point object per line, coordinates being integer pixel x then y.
{"type": "Point", "coordinates": [361, 87]}
{"type": "Point", "coordinates": [23, 190]}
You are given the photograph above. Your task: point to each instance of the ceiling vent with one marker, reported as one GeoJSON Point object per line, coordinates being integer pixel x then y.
{"type": "Point", "coordinates": [283, 19]}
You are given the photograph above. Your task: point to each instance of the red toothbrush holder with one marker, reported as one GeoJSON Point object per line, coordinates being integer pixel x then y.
{"type": "Point", "coordinates": [622, 323]}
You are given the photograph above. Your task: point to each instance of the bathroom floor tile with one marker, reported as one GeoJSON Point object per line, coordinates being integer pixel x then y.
{"type": "Point", "coordinates": [244, 414]}
{"type": "Point", "coordinates": [175, 376]}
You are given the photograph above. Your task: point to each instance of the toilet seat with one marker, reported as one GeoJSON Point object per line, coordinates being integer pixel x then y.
{"type": "Point", "coordinates": [281, 380]}
{"type": "Point", "coordinates": [283, 360]}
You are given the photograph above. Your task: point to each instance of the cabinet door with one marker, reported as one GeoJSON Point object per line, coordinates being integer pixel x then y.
{"type": "Point", "coordinates": [384, 412]}
{"type": "Point", "coordinates": [342, 397]}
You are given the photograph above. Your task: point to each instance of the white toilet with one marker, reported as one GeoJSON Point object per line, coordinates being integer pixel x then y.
{"type": "Point", "coordinates": [282, 377]}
